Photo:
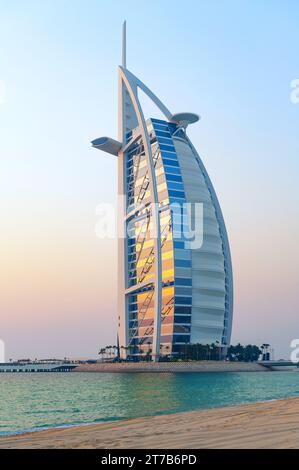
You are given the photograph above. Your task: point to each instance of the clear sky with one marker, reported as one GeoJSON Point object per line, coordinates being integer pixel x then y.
{"type": "Point", "coordinates": [230, 61]}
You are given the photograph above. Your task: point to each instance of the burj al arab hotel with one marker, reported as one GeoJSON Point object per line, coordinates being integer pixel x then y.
{"type": "Point", "coordinates": [171, 292]}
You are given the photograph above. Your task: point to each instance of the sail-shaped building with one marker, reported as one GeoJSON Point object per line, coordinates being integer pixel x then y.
{"type": "Point", "coordinates": [171, 292]}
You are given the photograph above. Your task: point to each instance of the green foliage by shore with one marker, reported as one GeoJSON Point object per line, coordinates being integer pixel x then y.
{"type": "Point", "coordinates": [190, 352]}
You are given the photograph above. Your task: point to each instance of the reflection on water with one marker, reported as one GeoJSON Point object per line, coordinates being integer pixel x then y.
{"type": "Point", "coordinates": [35, 401]}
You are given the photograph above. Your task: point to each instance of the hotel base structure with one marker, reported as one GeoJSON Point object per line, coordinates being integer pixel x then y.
{"type": "Point", "coordinates": [175, 284]}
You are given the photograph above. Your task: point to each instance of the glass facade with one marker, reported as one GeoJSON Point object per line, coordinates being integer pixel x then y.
{"type": "Point", "coordinates": [176, 292]}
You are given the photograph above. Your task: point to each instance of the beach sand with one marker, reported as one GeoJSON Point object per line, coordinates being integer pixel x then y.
{"type": "Point", "coordinates": [269, 425]}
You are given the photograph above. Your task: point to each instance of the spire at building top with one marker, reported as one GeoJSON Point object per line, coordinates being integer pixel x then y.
{"type": "Point", "coordinates": [124, 45]}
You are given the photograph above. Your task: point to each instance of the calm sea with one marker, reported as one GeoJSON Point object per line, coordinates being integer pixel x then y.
{"type": "Point", "coordinates": [37, 401]}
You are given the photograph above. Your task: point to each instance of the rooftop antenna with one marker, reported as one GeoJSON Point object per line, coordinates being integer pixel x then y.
{"type": "Point", "coordinates": [124, 45]}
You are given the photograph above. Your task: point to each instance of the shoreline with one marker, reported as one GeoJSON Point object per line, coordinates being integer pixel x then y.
{"type": "Point", "coordinates": [34, 431]}
{"type": "Point", "coordinates": [182, 366]}
{"type": "Point", "coordinates": [267, 424]}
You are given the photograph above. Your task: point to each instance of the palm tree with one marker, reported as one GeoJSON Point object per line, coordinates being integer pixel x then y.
{"type": "Point", "coordinates": [110, 351]}
{"type": "Point", "coordinates": [101, 352]}
{"type": "Point", "coordinates": [130, 349]}
{"type": "Point", "coordinates": [219, 348]}
{"type": "Point", "coordinates": [149, 351]}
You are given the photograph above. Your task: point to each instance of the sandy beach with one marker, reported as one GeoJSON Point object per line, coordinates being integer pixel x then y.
{"type": "Point", "coordinates": [269, 425]}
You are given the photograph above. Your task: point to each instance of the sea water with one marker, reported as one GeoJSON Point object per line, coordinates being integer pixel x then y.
{"type": "Point", "coordinates": [36, 401]}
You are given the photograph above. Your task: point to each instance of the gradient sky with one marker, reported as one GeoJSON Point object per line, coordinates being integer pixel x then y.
{"type": "Point", "coordinates": [230, 61]}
